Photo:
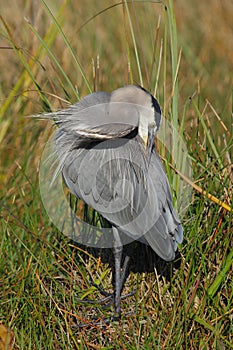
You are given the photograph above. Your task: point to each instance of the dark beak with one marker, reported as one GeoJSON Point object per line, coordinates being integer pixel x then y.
{"type": "Point", "coordinates": [150, 141]}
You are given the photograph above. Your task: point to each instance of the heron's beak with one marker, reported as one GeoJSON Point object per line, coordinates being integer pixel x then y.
{"type": "Point", "coordinates": [150, 140]}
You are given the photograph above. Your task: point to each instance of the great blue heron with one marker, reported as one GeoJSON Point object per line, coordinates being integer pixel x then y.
{"type": "Point", "coordinates": [105, 144]}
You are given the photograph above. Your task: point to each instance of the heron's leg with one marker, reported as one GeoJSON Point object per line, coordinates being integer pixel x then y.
{"type": "Point", "coordinates": [117, 250]}
{"type": "Point", "coordinates": [124, 275]}
{"type": "Point", "coordinates": [124, 272]}
{"type": "Point", "coordinates": [109, 297]}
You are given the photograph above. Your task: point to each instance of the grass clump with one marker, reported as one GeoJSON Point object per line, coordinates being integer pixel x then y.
{"type": "Point", "coordinates": [61, 52]}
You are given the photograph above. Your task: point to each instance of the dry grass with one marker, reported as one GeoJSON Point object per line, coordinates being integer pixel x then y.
{"type": "Point", "coordinates": [40, 272]}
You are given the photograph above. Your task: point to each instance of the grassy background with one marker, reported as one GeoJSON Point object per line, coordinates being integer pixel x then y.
{"type": "Point", "coordinates": [47, 62]}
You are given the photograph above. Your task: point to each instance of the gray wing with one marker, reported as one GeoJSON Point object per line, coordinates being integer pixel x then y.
{"type": "Point", "coordinates": [94, 118]}
{"type": "Point", "coordinates": [91, 120]}
{"type": "Point", "coordinates": [167, 231]}
{"type": "Point", "coordinates": [113, 178]}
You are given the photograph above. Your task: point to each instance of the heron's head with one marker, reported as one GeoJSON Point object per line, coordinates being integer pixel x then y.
{"type": "Point", "coordinates": [148, 114]}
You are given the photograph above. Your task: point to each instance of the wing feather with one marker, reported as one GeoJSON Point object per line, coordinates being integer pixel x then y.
{"type": "Point", "coordinates": [120, 186]}
{"type": "Point", "coordinates": [95, 118]}
{"type": "Point", "coordinates": [104, 162]}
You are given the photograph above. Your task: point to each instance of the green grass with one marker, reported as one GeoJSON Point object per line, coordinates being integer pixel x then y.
{"type": "Point", "coordinates": [59, 54]}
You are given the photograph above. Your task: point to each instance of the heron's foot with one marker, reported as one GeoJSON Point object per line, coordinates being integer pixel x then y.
{"type": "Point", "coordinates": [108, 298]}
{"type": "Point", "coordinates": [122, 297]}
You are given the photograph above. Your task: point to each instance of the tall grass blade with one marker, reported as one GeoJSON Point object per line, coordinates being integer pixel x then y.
{"type": "Point", "coordinates": [54, 19]}
{"type": "Point", "coordinates": [212, 290]}
{"type": "Point", "coordinates": [134, 43]}
{"type": "Point", "coordinates": [207, 131]}
{"type": "Point", "coordinates": [26, 65]}
{"type": "Point", "coordinates": [50, 52]}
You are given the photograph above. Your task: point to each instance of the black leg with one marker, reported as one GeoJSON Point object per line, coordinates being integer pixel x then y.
{"type": "Point", "coordinates": [120, 275]}
{"type": "Point", "coordinates": [124, 271]}
{"type": "Point", "coordinates": [109, 298]}
{"type": "Point", "coordinates": [117, 251]}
